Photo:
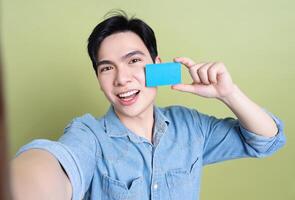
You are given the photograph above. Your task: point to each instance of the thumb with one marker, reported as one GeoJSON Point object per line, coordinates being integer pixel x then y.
{"type": "Point", "coordinates": [184, 88]}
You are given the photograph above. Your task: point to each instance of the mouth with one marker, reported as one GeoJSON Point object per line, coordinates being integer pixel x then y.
{"type": "Point", "coordinates": [128, 97]}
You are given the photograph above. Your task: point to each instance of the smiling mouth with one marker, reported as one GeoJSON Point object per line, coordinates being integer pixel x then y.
{"type": "Point", "coordinates": [128, 95]}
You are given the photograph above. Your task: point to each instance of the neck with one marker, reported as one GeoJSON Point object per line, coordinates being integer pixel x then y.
{"type": "Point", "coordinates": [141, 124]}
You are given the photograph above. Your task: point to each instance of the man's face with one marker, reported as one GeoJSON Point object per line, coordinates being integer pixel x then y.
{"type": "Point", "coordinates": [121, 62]}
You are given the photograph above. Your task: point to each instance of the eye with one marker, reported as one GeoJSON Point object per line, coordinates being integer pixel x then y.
{"type": "Point", "coordinates": [106, 68]}
{"type": "Point", "coordinates": [134, 60]}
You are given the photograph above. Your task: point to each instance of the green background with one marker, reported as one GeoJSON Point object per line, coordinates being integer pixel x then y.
{"type": "Point", "coordinates": [49, 77]}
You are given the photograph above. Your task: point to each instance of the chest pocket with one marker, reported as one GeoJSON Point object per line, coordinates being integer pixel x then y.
{"type": "Point", "coordinates": [182, 183]}
{"type": "Point", "coordinates": [117, 190]}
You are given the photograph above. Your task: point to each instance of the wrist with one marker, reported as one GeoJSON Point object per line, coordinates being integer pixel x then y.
{"type": "Point", "coordinates": [231, 96]}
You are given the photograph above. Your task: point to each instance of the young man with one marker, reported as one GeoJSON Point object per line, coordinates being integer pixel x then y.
{"type": "Point", "coordinates": [137, 150]}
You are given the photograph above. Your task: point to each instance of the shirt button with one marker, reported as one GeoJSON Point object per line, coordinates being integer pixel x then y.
{"type": "Point", "coordinates": [155, 186]}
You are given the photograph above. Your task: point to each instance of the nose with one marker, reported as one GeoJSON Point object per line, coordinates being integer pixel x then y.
{"type": "Point", "coordinates": [123, 76]}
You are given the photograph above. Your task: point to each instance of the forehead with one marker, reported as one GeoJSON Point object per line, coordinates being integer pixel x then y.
{"type": "Point", "coordinates": [118, 44]}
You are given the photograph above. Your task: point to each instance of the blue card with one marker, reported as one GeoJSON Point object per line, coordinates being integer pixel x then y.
{"type": "Point", "coordinates": [162, 74]}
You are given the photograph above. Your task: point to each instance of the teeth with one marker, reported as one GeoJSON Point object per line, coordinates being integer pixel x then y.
{"type": "Point", "coordinates": [127, 94]}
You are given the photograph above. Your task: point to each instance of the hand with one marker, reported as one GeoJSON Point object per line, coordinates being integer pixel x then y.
{"type": "Point", "coordinates": [210, 80]}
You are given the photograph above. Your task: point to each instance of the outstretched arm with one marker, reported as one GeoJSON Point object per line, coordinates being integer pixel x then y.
{"type": "Point", "coordinates": [37, 174]}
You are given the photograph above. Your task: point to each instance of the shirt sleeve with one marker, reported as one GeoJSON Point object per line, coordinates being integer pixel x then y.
{"type": "Point", "coordinates": [226, 139]}
{"type": "Point", "coordinates": [75, 151]}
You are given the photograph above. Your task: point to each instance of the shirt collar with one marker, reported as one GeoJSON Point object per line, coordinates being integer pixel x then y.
{"type": "Point", "coordinates": [161, 121]}
{"type": "Point", "coordinates": [115, 128]}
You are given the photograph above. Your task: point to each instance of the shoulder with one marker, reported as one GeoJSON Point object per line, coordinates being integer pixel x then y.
{"type": "Point", "coordinates": [181, 114]}
{"type": "Point", "coordinates": [86, 122]}
{"type": "Point", "coordinates": [179, 111]}
{"type": "Point", "coordinates": [87, 119]}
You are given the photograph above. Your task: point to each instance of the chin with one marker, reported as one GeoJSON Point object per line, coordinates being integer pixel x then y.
{"type": "Point", "coordinates": [128, 111]}
{"type": "Point", "coordinates": [132, 111]}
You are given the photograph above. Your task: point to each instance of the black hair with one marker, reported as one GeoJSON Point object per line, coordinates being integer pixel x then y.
{"type": "Point", "coordinates": [119, 22]}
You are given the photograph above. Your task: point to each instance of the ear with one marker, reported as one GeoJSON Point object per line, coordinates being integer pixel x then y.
{"type": "Point", "coordinates": [158, 60]}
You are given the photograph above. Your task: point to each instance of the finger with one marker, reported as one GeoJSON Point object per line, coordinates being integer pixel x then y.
{"type": "Point", "coordinates": [185, 61]}
{"type": "Point", "coordinates": [184, 88]}
{"type": "Point", "coordinates": [190, 64]}
{"type": "Point", "coordinates": [203, 73]}
{"type": "Point", "coordinates": [194, 72]}
{"type": "Point", "coordinates": [212, 73]}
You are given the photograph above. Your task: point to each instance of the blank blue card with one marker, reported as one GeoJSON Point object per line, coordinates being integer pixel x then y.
{"type": "Point", "coordinates": [162, 74]}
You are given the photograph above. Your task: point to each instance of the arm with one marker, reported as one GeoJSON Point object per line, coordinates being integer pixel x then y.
{"type": "Point", "coordinates": [75, 151]}
{"type": "Point", "coordinates": [251, 116]}
{"type": "Point", "coordinates": [37, 174]}
{"type": "Point", "coordinates": [212, 80]}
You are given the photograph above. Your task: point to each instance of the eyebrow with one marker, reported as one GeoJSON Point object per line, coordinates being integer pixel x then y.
{"type": "Point", "coordinates": [128, 55]}
{"type": "Point", "coordinates": [132, 53]}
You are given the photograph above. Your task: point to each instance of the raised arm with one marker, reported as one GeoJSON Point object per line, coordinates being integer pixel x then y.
{"type": "Point", "coordinates": [212, 80]}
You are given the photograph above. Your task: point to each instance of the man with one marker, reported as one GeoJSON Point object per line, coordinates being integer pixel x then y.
{"type": "Point", "coordinates": [137, 150]}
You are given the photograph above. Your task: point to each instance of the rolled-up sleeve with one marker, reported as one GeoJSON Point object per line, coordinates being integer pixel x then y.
{"type": "Point", "coordinates": [226, 139]}
{"type": "Point", "coordinates": [263, 145]}
{"type": "Point", "coordinates": [75, 151]}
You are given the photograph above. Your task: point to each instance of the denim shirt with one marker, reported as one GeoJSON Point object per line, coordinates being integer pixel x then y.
{"type": "Point", "coordinates": [105, 160]}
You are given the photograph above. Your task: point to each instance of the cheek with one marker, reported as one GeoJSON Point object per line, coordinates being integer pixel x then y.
{"type": "Point", "coordinates": [140, 75]}
{"type": "Point", "coordinates": [105, 84]}
{"type": "Point", "coordinates": [150, 93]}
